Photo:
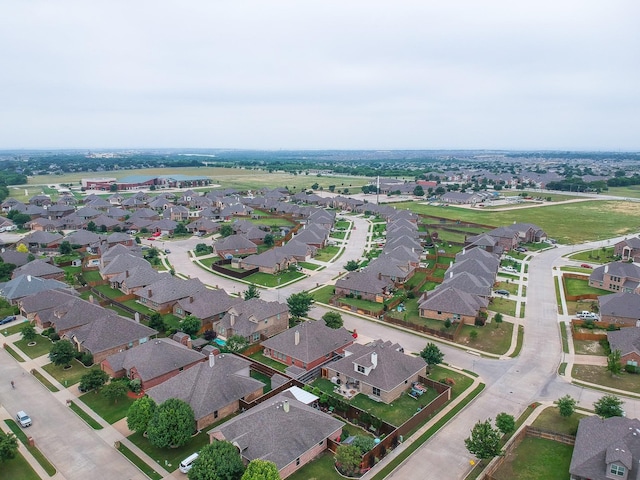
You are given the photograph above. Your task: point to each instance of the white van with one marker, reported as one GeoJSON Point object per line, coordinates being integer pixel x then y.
{"type": "Point", "coordinates": [187, 463]}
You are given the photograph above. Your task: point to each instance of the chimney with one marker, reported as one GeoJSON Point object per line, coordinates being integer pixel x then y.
{"type": "Point", "coordinates": [285, 406]}
{"type": "Point", "coordinates": [232, 319]}
{"type": "Point", "coordinates": [374, 359]}
{"type": "Point", "coordinates": [150, 293]}
{"type": "Point", "coordinates": [28, 278]}
{"type": "Point", "coordinates": [450, 274]}
{"type": "Point", "coordinates": [379, 275]}
{"type": "Point", "coordinates": [296, 337]}
{"type": "Point", "coordinates": [606, 268]}
{"type": "Point", "coordinates": [127, 274]}
{"type": "Point", "coordinates": [212, 359]}
{"type": "Point", "coordinates": [191, 299]}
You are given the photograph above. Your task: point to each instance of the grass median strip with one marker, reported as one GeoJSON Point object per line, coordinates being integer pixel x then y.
{"type": "Point", "coordinates": [44, 381]}
{"type": "Point", "coordinates": [37, 454]}
{"type": "Point", "coordinates": [393, 464]}
{"type": "Point", "coordinates": [138, 462]}
{"type": "Point", "coordinates": [13, 353]}
{"type": "Point", "coordinates": [85, 416]}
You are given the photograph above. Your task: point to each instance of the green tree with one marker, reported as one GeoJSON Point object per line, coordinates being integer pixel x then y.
{"type": "Point", "coordinates": [473, 335]}
{"type": "Point", "coordinates": [114, 390]}
{"type": "Point", "coordinates": [505, 423]}
{"type": "Point", "coordinates": [91, 226]}
{"type": "Point", "coordinates": [333, 319]}
{"type": "Point", "coordinates": [93, 380]}
{"type": "Point", "coordinates": [418, 191]}
{"type": "Point", "coordinates": [140, 414]}
{"type": "Point", "coordinates": [497, 318]}
{"type": "Point", "coordinates": [156, 322]}
{"type": "Point", "coordinates": [20, 218]}
{"type": "Point", "coordinates": [28, 333]}
{"type": "Point", "coordinates": [217, 461]}
{"type": "Point", "coordinates": [268, 240]}
{"type": "Point", "coordinates": [363, 443]}
{"type": "Point", "coordinates": [226, 230]}
{"type": "Point", "coordinates": [190, 325]}
{"type": "Point", "coordinates": [62, 353]}
{"type": "Point", "coordinates": [113, 187]}
{"type": "Point", "coordinates": [172, 424]}
{"type": "Point", "coordinates": [299, 304]}
{"type": "Point", "coordinates": [351, 266]}
{"type": "Point", "coordinates": [236, 343]}
{"type": "Point", "coordinates": [348, 460]}
{"type": "Point", "coordinates": [566, 406]}
{"type": "Point", "coordinates": [203, 249]}
{"type": "Point", "coordinates": [261, 470]}
{"type": "Point", "coordinates": [251, 292]}
{"type": "Point", "coordinates": [613, 362]}
{"type": "Point", "coordinates": [8, 446]}
{"type": "Point", "coordinates": [484, 441]}
{"type": "Point", "coordinates": [609, 406]}
{"type": "Point", "coordinates": [432, 354]}
{"type": "Point", "coordinates": [180, 229]}
{"type": "Point", "coordinates": [65, 248]}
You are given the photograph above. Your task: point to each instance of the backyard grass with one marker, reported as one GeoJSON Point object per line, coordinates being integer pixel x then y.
{"type": "Point", "coordinates": [590, 220]}
{"type": "Point", "coordinates": [491, 339]}
{"type": "Point", "coordinates": [109, 410]}
{"type": "Point", "coordinates": [510, 287]}
{"type": "Point", "coordinates": [18, 469]}
{"type": "Point", "coordinates": [327, 253]}
{"type": "Point", "coordinates": [37, 454]}
{"type": "Point", "coordinates": [362, 304]}
{"type": "Point", "coordinates": [42, 347]}
{"type": "Point", "coordinates": [502, 305]}
{"type": "Point", "coordinates": [550, 420]}
{"type": "Point", "coordinates": [108, 291]}
{"type": "Point", "coordinates": [259, 357]}
{"type": "Point", "coordinates": [575, 286]}
{"type": "Point", "coordinates": [309, 266]}
{"type": "Point", "coordinates": [70, 376]}
{"type": "Point", "coordinates": [415, 280]}
{"type": "Point", "coordinates": [84, 416]}
{"type": "Point", "coordinates": [536, 458]}
{"type": "Point", "coordinates": [269, 280]}
{"type": "Point", "coordinates": [338, 235]}
{"type": "Point", "coordinates": [263, 378]}
{"type": "Point", "coordinates": [170, 458]}
{"type": "Point", "coordinates": [138, 462]}
{"type": "Point", "coordinates": [207, 262]}
{"type": "Point", "coordinates": [323, 294]}
{"type": "Point", "coordinates": [92, 276]}
{"type": "Point", "coordinates": [320, 469]}
{"type": "Point", "coordinates": [600, 376]}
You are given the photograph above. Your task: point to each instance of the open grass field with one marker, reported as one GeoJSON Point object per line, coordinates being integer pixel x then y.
{"type": "Point", "coordinates": [490, 338]}
{"type": "Point", "coordinates": [599, 255]}
{"type": "Point", "coordinates": [600, 376]}
{"type": "Point", "coordinates": [536, 458]}
{"type": "Point", "coordinates": [632, 191]}
{"type": "Point", "coordinates": [583, 221]}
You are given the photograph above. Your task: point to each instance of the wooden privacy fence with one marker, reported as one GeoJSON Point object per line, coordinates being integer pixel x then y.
{"type": "Point", "coordinates": [219, 267]}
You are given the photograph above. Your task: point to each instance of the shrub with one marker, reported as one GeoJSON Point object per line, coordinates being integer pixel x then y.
{"type": "Point", "coordinates": [479, 322]}
{"type": "Point", "coordinates": [54, 337]}
{"type": "Point", "coordinates": [631, 369]}
{"type": "Point", "coordinates": [86, 358]}
{"type": "Point", "coordinates": [135, 385]}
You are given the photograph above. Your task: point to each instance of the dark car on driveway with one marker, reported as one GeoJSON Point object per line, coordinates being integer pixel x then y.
{"type": "Point", "coordinates": [502, 292]}
{"type": "Point", "coordinates": [8, 319]}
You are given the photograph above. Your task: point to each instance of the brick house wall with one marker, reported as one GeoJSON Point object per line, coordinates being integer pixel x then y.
{"type": "Point", "coordinates": [622, 321]}
{"type": "Point", "coordinates": [98, 357]}
{"type": "Point", "coordinates": [299, 363]}
{"type": "Point", "coordinates": [106, 367]}
{"type": "Point", "coordinates": [237, 251]}
{"type": "Point", "coordinates": [630, 357]}
{"type": "Point", "coordinates": [343, 292]}
{"type": "Point", "coordinates": [307, 456]}
{"type": "Point", "coordinates": [467, 319]}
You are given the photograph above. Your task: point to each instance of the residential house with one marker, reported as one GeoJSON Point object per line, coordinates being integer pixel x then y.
{"type": "Point", "coordinates": [627, 341]}
{"type": "Point", "coordinates": [152, 362]}
{"type": "Point", "coordinates": [506, 237]}
{"type": "Point", "coordinates": [307, 345]}
{"type": "Point", "coordinates": [213, 389]}
{"type": "Point", "coordinates": [380, 370]}
{"type": "Point", "coordinates": [364, 284]}
{"type": "Point", "coordinates": [282, 430]}
{"type": "Point", "coordinates": [14, 257]}
{"type": "Point", "coordinates": [299, 250]}
{"type": "Point", "coordinates": [616, 277]}
{"type": "Point", "coordinates": [254, 319]}
{"type": "Point", "coordinates": [114, 266]}
{"type": "Point", "coordinates": [388, 267]}
{"type": "Point", "coordinates": [270, 261]}
{"type": "Point", "coordinates": [35, 241]}
{"type": "Point", "coordinates": [35, 303]}
{"type": "Point", "coordinates": [606, 448]}
{"type": "Point", "coordinates": [622, 308]}
{"type": "Point", "coordinates": [44, 225]}
{"type": "Point", "coordinates": [628, 249]}
{"type": "Point", "coordinates": [449, 303]}
{"type": "Point", "coordinates": [41, 269]}
{"type": "Point", "coordinates": [528, 232]}
{"type": "Point", "coordinates": [24, 285]}
{"type": "Point", "coordinates": [208, 305]}
{"type": "Point", "coordinates": [234, 245]}
{"type": "Point", "coordinates": [163, 294]}
{"type": "Point", "coordinates": [204, 226]}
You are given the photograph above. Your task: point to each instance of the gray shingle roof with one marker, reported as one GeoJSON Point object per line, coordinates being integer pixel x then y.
{"type": "Point", "coordinates": [452, 300]}
{"type": "Point", "coordinates": [170, 289]}
{"type": "Point", "coordinates": [154, 358]}
{"type": "Point", "coordinates": [26, 285]}
{"type": "Point", "coordinates": [626, 340]}
{"type": "Point", "coordinates": [316, 340]}
{"type": "Point", "coordinates": [110, 331]}
{"type": "Point", "coordinates": [46, 300]}
{"type": "Point", "coordinates": [364, 281]}
{"type": "Point", "coordinates": [38, 268]}
{"type": "Point", "coordinates": [249, 312]}
{"type": "Point", "coordinates": [208, 303]}
{"type": "Point", "coordinates": [233, 242]}
{"type": "Point", "coordinates": [209, 388]}
{"type": "Point", "coordinates": [621, 304]}
{"type": "Point", "coordinates": [269, 432]}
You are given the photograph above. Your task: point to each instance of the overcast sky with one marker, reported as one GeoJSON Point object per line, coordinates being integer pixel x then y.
{"type": "Point", "coordinates": [326, 74]}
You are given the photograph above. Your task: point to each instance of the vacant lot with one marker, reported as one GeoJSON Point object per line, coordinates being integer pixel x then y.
{"type": "Point", "coordinates": [535, 459]}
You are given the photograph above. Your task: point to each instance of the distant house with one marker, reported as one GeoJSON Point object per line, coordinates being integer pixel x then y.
{"type": "Point", "coordinates": [389, 268]}
{"type": "Point", "coordinates": [213, 388]}
{"type": "Point", "coordinates": [366, 285]}
{"type": "Point", "coordinates": [622, 308]}
{"type": "Point", "coordinates": [616, 277]}
{"type": "Point", "coordinates": [253, 319]}
{"type": "Point", "coordinates": [14, 257]}
{"type": "Point", "coordinates": [40, 269]}
{"type": "Point", "coordinates": [152, 362]}
{"type": "Point", "coordinates": [379, 370]}
{"type": "Point", "coordinates": [307, 345]}
{"type": "Point", "coordinates": [25, 285]}
{"type": "Point", "coordinates": [271, 261]}
{"type": "Point", "coordinates": [628, 249]}
{"type": "Point", "coordinates": [35, 241]}
{"type": "Point", "coordinates": [282, 430]}
{"type": "Point", "coordinates": [606, 448]}
{"type": "Point", "coordinates": [234, 245]}
{"type": "Point", "coordinates": [627, 340]}
{"type": "Point", "coordinates": [449, 303]}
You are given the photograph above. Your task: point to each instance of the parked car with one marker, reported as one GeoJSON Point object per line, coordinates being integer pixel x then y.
{"type": "Point", "coordinates": [23, 419]}
{"type": "Point", "coordinates": [509, 268]}
{"type": "Point", "coordinates": [502, 292]}
{"type": "Point", "coordinates": [586, 315]}
{"type": "Point", "coordinates": [187, 463]}
{"type": "Point", "coordinates": [156, 234]}
{"type": "Point", "coordinates": [8, 319]}
{"type": "Point", "coordinates": [166, 250]}
{"type": "Point", "coordinates": [586, 265]}
{"type": "Point", "coordinates": [151, 239]}
{"type": "Point", "coordinates": [521, 249]}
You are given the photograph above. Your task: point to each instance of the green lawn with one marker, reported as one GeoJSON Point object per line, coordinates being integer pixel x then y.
{"type": "Point", "coordinates": [259, 357]}
{"type": "Point", "coordinates": [363, 304]}
{"type": "Point", "coordinates": [170, 458]}
{"type": "Point", "coordinates": [269, 280]}
{"type": "Point", "coordinates": [415, 280]}
{"type": "Point", "coordinates": [510, 287]}
{"type": "Point", "coordinates": [207, 262]}
{"type": "Point", "coordinates": [18, 469]}
{"type": "Point", "coordinates": [327, 253]}
{"type": "Point", "coordinates": [575, 286]}
{"type": "Point", "coordinates": [108, 291]}
{"type": "Point", "coordinates": [111, 412]}
{"type": "Point", "coordinates": [323, 294]}
{"type": "Point", "coordinates": [84, 416]}
{"type": "Point", "coordinates": [490, 338]}
{"type": "Point", "coordinates": [92, 276]}
{"type": "Point", "coordinates": [6, 331]}
{"type": "Point", "coordinates": [502, 305]}
{"type": "Point", "coordinates": [342, 224]}
{"type": "Point", "coordinates": [42, 347]}
{"type": "Point", "coordinates": [598, 255]}
{"type": "Point", "coordinates": [552, 421]}
{"type": "Point", "coordinates": [13, 353]}
{"type": "Point", "coordinates": [322, 468]}
{"type": "Point", "coordinates": [263, 378]}
{"type": "Point", "coordinates": [70, 376]}
{"type": "Point", "coordinates": [600, 376]}
{"type": "Point", "coordinates": [309, 266]}
{"type": "Point", "coordinates": [535, 459]}
{"type": "Point", "coordinates": [138, 462]}
{"type": "Point", "coordinates": [338, 235]}
{"type": "Point", "coordinates": [272, 222]}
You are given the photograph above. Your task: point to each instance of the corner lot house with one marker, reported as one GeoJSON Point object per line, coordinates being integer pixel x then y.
{"type": "Point", "coordinates": [627, 341]}
{"type": "Point", "coordinates": [282, 430]}
{"type": "Point", "coordinates": [616, 277]}
{"type": "Point", "coordinates": [212, 388]}
{"type": "Point", "coordinates": [606, 448]}
{"type": "Point", "coordinates": [254, 319]}
{"type": "Point", "coordinates": [379, 370]}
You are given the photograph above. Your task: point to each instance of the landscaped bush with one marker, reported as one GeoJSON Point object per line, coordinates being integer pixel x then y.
{"type": "Point", "coordinates": [54, 337]}
{"type": "Point", "coordinates": [631, 369]}
{"type": "Point", "coordinates": [86, 358]}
